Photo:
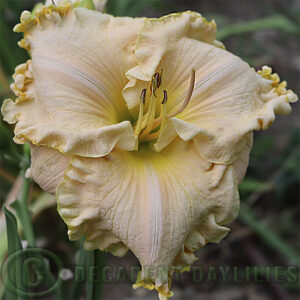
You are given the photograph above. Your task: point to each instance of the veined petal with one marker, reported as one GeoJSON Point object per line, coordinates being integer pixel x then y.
{"type": "Point", "coordinates": [227, 104]}
{"type": "Point", "coordinates": [72, 100]}
{"type": "Point", "coordinates": [156, 41]}
{"type": "Point", "coordinates": [48, 167]}
{"type": "Point", "coordinates": [148, 202]}
{"type": "Point", "coordinates": [229, 99]}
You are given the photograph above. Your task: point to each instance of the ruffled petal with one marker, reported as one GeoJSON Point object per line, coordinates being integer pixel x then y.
{"type": "Point", "coordinates": [48, 167]}
{"type": "Point", "coordinates": [72, 90]}
{"type": "Point", "coordinates": [240, 164]}
{"type": "Point", "coordinates": [229, 99]}
{"type": "Point", "coordinates": [157, 49]}
{"type": "Point", "coordinates": [226, 107]}
{"type": "Point", "coordinates": [149, 203]}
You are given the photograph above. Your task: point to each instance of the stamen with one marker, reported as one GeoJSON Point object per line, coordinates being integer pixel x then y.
{"type": "Point", "coordinates": [155, 81]}
{"type": "Point", "coordinates": [141, 112]}
{"type": "Point", "coordinates": [163, 116]}
{"type": "Point", "coordinates": [154, 85]}
{"type": "Point", "coordinates": [147, 123]}
{"type": "Point", "coordinates": [164, 111]}
{"type": "Point", "coordinates": [150, 117]}
{"type": "Point", "coordinates": [158, 120]}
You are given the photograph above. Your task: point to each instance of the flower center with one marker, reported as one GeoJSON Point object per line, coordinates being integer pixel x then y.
{"type": "Point", "coordinates": [148, 127]}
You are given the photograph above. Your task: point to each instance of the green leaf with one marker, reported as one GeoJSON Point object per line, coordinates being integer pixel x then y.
{"type": "Point", "coordinates": [95, 264]}
{"type": "Point", "coordinates": [268, 235]}
{"type": "Point", "coordinates": [76, 290]}
{"type": "Point", "coordinates": [129, 7]}
{"type": "Point", "coordinates": [13, 239]}
{"type": "Point", "coordinates": [251, 185]}
{"type": "Point", "coordinates": [274, 22]}
{"type": "Point", "coordinates": [21, 207]}
{"type": "Point", "coordinates": [14, 267]}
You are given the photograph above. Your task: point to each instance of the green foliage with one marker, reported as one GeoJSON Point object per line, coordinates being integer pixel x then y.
{"type": "Point", "coordinates": [252, 184]}
{"type": "Point", "coordinates": [279, 22]}
{"type": "Point", "coordinates": [14, 280]}
{"type": "Point", "coordinates": [95, 259]}
{"type": "Point", "coordinates": [130, 8]}
{"type": "Point", "coordinates": [268, 235]}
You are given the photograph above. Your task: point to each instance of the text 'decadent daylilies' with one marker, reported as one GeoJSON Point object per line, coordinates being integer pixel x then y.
{"type": "Point", "coordinates": [141, 127]}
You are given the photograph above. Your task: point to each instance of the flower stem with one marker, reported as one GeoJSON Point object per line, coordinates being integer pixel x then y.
{"type": "Point", "coordinates": [26, 220]}
{"type": "Point", "coordinates": [21, 204]}
{"type": "Point", "coordinates": [95, 263]}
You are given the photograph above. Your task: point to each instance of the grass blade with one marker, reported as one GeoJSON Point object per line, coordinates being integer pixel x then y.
{"type": "Point", "coordinates": [274, 22]}
{"type": "Point", "coordinates": [78, 285]}
{"type": "Point", "coordinates": [95, 264]}
{"type": "Point", "coordinates": [14, 267]}
{"type": "Point", "coordinates": [268, 235]}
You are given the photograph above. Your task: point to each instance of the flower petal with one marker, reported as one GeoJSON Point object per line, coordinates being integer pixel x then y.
{"type": "Point", "coordinates": [150, 203]}
{"type": "Point", "coordinates": [72, 97]}
{"type": "Point", "coordinates": [229, 99]}
{"type": "Point", "coordinates": [226, 106]}
{"type": "Point", "coordinates": [156, 42]}
{"type": "Point", "coordinates": [48, 167]}
{"type": "Point", "coordinates": [240, 164]}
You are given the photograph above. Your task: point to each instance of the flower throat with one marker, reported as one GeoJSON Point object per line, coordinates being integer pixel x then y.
{"type": "Point", "coordinates": [149, 127]}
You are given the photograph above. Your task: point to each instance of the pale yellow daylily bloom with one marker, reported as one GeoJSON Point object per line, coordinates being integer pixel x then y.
{"type": "Point", "coordinates": [142, 128]}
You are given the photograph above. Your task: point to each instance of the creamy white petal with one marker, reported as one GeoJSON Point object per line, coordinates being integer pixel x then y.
{"type": "Point", "coordinates": [150, 203]}
{"type": "Point", "coordinates": [156, 42]}
{"type": "Point", "coordinates": [74, 99]}
{"type": "Point", "coordinates": [48, 167]}
{"type": "Point", "coordinates": [229, 99]}
{"type": "Point", "coordinates": [240, 164]}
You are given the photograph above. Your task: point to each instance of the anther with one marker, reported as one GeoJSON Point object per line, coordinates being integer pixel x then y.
{"type": "Point", "coordinates": [143, 96]}
{"type": "Point", "coordinates": [155, 82]}
{"type": "Point", "coordinates": [165, 97]}
{"type": "Point", "coordinates": [157, 79]}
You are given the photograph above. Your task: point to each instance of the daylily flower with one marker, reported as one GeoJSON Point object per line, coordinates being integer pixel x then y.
{"type": "Point", "coordinates": [141, 127]}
